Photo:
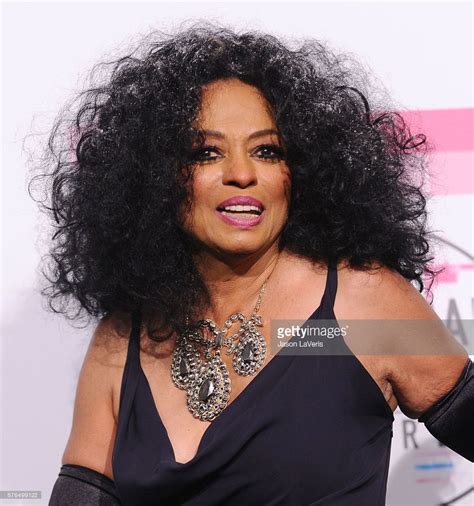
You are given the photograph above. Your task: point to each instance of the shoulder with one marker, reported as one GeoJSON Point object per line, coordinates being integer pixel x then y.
{"type": "Point", "coordinates": [109, 342]}
{"type": "Point", "coordinates": [380, 293]}
{"type": "Point", "coordinates": [422, 359]}
{"type": "Point", "coordinates": [107, 352]}
{"type": "Point", "coordinates": [377, 285]}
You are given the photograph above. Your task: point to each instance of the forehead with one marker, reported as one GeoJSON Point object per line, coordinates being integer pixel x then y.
{"type": "Point", "coordinates": [233, 103]}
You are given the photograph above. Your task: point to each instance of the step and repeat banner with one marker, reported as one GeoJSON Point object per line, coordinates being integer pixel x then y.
{"type": "Point", "coordinates": [420, 53]}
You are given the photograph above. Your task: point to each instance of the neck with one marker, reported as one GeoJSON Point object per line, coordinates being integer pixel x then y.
{"type": "Point", "coordinates": [234, 283]}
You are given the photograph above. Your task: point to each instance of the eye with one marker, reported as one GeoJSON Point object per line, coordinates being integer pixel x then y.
{"type": "Point", "coordinates": [276, 152]}
{"type": "Point", "coordinates": [199, 155]}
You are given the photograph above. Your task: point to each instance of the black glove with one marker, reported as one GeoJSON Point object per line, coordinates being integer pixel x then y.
{"type": "Point", "coordinates": [451, 419]}
{"type": "Point", "coordinates": [81, 486]}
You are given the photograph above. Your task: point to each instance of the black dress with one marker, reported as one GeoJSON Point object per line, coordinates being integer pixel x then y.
{"type": "Point", "coordinates": [307, 430]}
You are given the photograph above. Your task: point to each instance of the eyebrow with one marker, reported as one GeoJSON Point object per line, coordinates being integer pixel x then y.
{"type": "Point", "coordinates": [258, 133]}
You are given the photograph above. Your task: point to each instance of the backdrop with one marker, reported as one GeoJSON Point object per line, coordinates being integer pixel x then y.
{"type": "Point", "coordinates": [420, 53]}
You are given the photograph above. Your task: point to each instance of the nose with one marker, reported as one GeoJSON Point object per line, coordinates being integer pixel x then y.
{"type": "Point", "coordinates": [239, 171]}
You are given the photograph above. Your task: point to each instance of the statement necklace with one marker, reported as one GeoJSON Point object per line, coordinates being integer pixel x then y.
{"type": "Point", "coordinates": [207, 380]}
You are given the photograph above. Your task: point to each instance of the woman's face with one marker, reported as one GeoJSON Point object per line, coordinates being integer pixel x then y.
{"type": "Point", "coordinates": [242, 158]}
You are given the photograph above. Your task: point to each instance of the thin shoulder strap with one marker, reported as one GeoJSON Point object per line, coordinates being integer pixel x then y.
{"type": "Point", "coordinates": [134, 341]}
{"type": "Point", "coordinates": [330, 290]}
{"type": "Point", "coordinates": [132, 363]}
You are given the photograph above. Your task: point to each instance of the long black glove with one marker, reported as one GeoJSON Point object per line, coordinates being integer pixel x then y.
{"type": "Point", "coordinates": [451, 419]}
{"type": "Point", "coordinates": [81, 486]}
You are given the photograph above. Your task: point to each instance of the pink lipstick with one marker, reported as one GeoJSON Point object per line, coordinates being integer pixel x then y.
{"type": "Point", "coordinates": [241, 211]}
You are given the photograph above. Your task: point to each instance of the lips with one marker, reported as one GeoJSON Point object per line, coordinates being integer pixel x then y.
{"type": "Point", "coordinates": [242, 200]}
{"type": "Point", "coordinates": [241, 211]}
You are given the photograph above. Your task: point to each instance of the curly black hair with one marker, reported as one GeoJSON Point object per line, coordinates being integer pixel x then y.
{"type": "Point", "coordinates": [115, 161]}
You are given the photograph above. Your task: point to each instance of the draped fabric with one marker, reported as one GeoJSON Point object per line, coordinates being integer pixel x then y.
{"type": "Point", "coordinates": [307, 430]}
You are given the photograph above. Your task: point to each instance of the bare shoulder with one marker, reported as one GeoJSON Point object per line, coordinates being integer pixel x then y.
{"type": "Point", "coordinates": [93, 428]}
{"type": "Point", "coordinates": [421, 358]}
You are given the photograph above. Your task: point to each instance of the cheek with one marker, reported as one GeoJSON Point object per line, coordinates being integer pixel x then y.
{"type": "Point", "coordinates": [203, 191]}
{"type": "Point", "coordinates": [284, 186]}
{"type": "Point", "coordinates": [202, 196]}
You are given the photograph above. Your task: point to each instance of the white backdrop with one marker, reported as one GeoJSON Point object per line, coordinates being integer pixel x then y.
{"type": "Point", "coordinates": [420, 52]}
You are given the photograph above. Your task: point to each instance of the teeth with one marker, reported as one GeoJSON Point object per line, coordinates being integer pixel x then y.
{"type": "Point", "coordinates": [243, 209]}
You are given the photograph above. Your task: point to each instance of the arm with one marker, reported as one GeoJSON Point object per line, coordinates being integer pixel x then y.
{"type": "Point", "coordinates": [86, 474]}
{"type": "Point", "coordinates": [430, 372]}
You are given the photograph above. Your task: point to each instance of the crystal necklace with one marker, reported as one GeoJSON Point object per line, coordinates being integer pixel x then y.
{"type": "Point", "coordinates": [207, 380]}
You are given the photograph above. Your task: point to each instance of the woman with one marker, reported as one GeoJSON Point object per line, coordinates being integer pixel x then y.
{"type": "Point", "coordinates": [216, 183]}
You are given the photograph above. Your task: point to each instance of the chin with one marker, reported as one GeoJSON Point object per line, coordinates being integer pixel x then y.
{"type": "Point", "coordinates": [239, 248]}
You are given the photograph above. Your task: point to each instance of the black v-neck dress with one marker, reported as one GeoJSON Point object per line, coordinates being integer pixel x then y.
{"type": "Point", "coordinates": [307, 430]}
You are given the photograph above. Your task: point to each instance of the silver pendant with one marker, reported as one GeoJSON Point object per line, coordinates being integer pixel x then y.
{"type": "Point", "coordinates": [207, 381]}
{"type": "Point", "coordinates": [251, 350]}
{"type": "Point", "coordinates": [185, 365]}
{"type": "Point", "coordinates": [209, 393]}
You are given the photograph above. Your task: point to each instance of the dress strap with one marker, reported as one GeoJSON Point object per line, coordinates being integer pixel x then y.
{"type": "Point", "coordinates": [132, 364]}
{"type": "Point", "coordinates": [330, 290]}
{"type": "Point", "coordinates": [134, 341]}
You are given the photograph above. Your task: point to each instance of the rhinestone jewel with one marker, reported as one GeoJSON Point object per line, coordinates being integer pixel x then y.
{"type": "Point", "coordinates": [206, 389]}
